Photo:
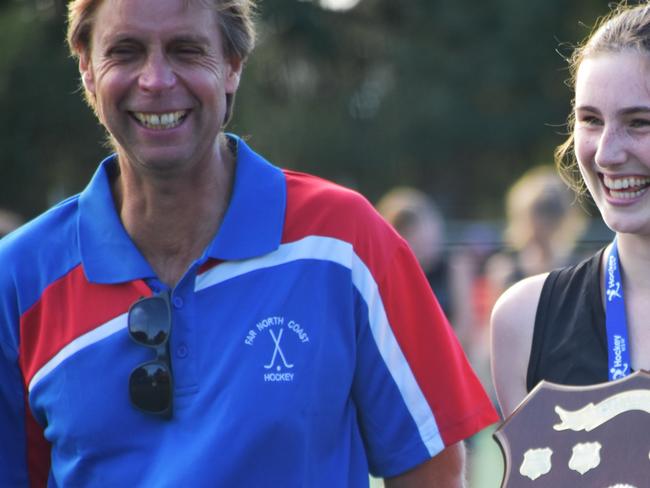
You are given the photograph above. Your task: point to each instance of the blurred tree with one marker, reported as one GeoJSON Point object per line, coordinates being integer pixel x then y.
{"type": "Point", "coordinates": [48, 138]}
{"type": "Point", "coordinates": [455, 99]}
{"type": "Point", "coordinates": [452, 98]}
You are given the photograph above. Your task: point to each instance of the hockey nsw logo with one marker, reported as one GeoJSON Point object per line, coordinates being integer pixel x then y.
{"type": "Point", "coordinates": [275, 339]}
{"type": "Point", "coordinates": [613, 285]}
{"type": "Point", "coordinates": [619, 369]}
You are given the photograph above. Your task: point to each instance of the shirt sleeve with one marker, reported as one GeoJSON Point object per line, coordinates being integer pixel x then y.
{"type": "Point", "coordinates": [24, 454]}
{"type": "Point", "coordinates": [414, 388]}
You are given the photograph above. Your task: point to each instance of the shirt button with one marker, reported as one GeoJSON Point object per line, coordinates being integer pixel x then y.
{"type": "Point", "coordinates": [178, 302]}
{"type": "Point", "coordinates": [182, 351]}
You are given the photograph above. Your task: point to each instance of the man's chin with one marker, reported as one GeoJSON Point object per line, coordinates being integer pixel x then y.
{"type": "Point", "coordinates": [162, 160]}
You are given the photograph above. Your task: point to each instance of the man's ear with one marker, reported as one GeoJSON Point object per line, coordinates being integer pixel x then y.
{"type": "Point", "coordinates": [234, 74]}
{"type": "Point", "coordinates": [86, 71]}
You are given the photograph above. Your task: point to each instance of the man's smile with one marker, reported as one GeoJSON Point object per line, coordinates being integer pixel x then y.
{"type": "Point", "coordinates": [161, 121]}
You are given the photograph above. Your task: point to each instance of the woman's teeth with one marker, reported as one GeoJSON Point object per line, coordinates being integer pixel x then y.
{"type": "Point", "coordinates": [627, 187]}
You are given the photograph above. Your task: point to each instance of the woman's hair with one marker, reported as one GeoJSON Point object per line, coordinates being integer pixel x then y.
{"type": "Point", "coordinates": [234, 18]}
{"type": "Point", "coordinates": [626, 27]}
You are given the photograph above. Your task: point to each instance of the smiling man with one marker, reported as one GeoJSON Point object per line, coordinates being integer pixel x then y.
{"type": "Point", "coordinates": [200, 317]}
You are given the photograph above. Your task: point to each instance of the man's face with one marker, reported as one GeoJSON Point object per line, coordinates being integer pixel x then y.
{"type": "Point", "coordinates": [157, 74]}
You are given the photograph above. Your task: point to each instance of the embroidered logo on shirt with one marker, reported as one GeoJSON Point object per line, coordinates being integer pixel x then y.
{"type": "Point", "coordinates": [277, 351]}
{"type": "Point", "coordinates": [271, 330]}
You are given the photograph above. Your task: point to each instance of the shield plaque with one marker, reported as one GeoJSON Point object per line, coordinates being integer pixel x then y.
{"type": "Point", "coordinates": [586, 436]}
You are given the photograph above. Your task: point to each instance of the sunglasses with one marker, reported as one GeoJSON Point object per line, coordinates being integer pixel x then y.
{"type": "Point", "coordinates": [151, 384]}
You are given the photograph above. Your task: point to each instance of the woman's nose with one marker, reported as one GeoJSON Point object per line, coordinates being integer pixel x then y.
{"type": "Point", "coordinates": [611, 147]}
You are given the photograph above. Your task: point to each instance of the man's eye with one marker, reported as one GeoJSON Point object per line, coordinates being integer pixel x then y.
{"type": "Point", "coordinates": [123, 51]}
{"type": "Point", "coordinates": [187, 50]}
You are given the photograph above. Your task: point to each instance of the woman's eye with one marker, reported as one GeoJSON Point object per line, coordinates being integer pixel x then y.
{"type": "Point", "coordinates": [638, 123]}
{"type": "Point", "coordinates": [589, 120]}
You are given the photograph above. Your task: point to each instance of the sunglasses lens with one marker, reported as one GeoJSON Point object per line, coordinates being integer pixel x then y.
{"type": "Point", "coordinates": [150, 321]}
{"type": "Point", "coordinates": [150, 387]}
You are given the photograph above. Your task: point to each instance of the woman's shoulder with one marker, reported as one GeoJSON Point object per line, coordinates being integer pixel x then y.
{"type": "Point", "coordinates": [519, 300]}
{"type": "Point", "coordinates": [513, 315]}
{"type": "Point", "coordinates": [512, 326]}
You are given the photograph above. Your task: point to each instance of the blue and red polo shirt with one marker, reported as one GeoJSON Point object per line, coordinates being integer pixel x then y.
{"type": "Point", "coordinates": [307, 347]}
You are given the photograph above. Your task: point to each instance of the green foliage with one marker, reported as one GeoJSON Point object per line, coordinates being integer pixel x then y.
{"type": "Point", "coordinates": [47, 137]}
{"type": "Point", "coordinates": [456, 98]}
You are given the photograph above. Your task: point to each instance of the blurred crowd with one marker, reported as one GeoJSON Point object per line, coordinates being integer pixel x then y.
{"type": "Point", "coordinates": [543, 230]}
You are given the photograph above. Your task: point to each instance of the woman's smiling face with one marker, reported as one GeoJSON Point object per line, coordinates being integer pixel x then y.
{"type": "Point", "coordinates": [612, 136]}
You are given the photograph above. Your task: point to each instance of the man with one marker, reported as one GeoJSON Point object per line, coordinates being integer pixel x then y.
{"type": "Point", "coordinates": [199, 317]}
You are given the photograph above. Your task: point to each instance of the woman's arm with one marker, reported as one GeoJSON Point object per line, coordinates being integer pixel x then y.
{"type": "Point", "coordinates": [512, 324]}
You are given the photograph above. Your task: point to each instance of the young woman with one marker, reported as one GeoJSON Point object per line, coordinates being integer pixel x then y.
{"type": "Point", "coordinates": [590, 323]}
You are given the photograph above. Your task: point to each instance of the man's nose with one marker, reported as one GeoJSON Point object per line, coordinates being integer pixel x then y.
{"type": "Point", "coordinates": [157, 74]}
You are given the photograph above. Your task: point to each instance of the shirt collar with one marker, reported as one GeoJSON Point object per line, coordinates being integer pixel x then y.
{"type": "Point", "coordinates": [252, 225]}
{"type": "Point", "coordinates": [254, 220]}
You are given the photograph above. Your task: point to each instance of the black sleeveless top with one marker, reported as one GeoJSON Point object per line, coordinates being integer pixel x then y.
{"type": "Point", "coordinates": [569, 340]}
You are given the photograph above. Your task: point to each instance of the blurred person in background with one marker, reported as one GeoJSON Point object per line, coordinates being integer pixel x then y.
{"type": "Point", "coordinates": [9, 221]}
{"type": "Point", "coordinates": [588, 323]}
{"type": "Point", "coordinates": [450, 273]}
{"type": "Point", "coordinates": [200, 317]}
{"type": "Point", "coordinates": [544, 225]}
{"type": "Point", "coordinates": [453, 274]}
{"type": "Point", "coordinates": [417, 219]}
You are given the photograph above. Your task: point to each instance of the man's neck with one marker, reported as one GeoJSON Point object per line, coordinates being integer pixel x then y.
{"type": "Point", "coordinates": [172, 220]}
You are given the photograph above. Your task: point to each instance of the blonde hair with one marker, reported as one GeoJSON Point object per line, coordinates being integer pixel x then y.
{"type": "Point", "coordinates": [403, 206]}
{"type": "Point", "coordinates": [540, 193]}
{"type": "Point", "coordinates": [625, 27]}
{"type": "Point", "coordinates": [414, 215]}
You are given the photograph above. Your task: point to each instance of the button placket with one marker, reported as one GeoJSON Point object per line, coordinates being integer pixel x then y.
{"type": "Point", "coordinates": [183, 344]}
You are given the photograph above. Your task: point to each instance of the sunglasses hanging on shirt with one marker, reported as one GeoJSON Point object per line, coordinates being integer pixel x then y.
{"type": "Point", "coordinates": [151, 385]}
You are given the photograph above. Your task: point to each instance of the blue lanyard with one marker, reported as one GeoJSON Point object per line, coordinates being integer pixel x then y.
{"type": "Point", "coordinates": [618, 353]}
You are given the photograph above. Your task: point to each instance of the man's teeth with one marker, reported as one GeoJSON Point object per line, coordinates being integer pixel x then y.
{"type": "Point", "coordinates": [160, 121]}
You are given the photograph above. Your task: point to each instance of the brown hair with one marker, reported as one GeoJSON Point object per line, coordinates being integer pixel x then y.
{"type": "Point", "coordinates": [625, 27]}
{"type": "Point", "coordinates": [234, 17]}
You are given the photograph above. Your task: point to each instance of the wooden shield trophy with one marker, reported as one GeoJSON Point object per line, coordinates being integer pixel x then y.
{"type": "Point", "coordinates": [588, 436]}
